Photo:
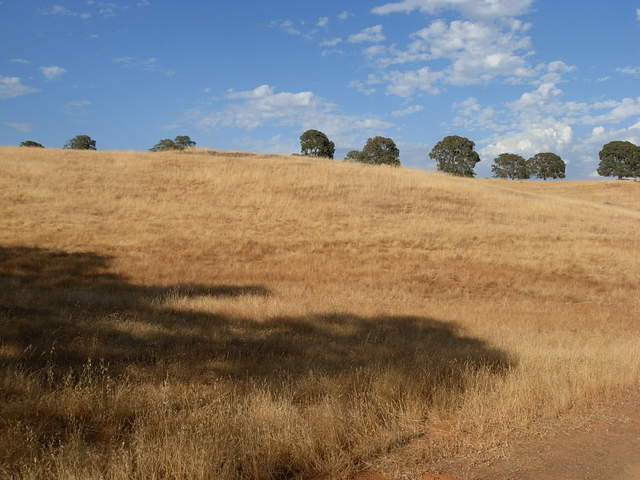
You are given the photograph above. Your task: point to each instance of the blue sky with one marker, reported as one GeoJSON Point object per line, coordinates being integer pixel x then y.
{"type": "Point", "coordinates": [520, 76]}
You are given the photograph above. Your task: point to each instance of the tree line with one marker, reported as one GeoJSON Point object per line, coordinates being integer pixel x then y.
{"type": "Point", "coordinates": [456, 156]}
{"type": "Point", "coordinates": [453, 155]}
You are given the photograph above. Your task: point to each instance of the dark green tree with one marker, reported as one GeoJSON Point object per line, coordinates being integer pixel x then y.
{"type": "Point", "coordinates": [380, 151]}
{"type": "Point", "coordinates": [353, 156]}
{"type": "Point", "coordinates": [619, 159]}
{"type": "Point", "coordinates": [179, 143]}
{"type": "Point", "coordinates": [164, 145]}
{"type": "Point", "coordinates": [510, 165]}
{"type": "Point", "coordinates": [31, 143]}
{"type": "Point", "coordinates": [183, 142]}
{"type": "Point", "coordinates": [455, 155]}
{"type": "Point", "coordinates": [547, 165]}
{"type": "Point", "coordinates": [81, 142]}
{"type": "Point", "coordinates": [316, 144]}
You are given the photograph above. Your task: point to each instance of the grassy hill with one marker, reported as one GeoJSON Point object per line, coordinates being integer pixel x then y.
{"type": "Point", "coordinates": [189, 315]}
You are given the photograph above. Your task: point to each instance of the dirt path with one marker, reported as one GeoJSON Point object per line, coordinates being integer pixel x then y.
{"type": "Point", "coordinates": [605, 447]}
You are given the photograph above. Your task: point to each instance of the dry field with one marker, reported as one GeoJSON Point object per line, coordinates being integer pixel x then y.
{"type": "Point", "coordinates": [194, 316]}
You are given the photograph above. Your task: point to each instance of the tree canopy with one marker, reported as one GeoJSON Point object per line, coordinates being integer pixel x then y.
{"type": "Point", "coordinates": [316, 144]}
{"type": "Point", "coordinates": [455, 155]}
{"type": "Point", "coordinates": [380, 151]}
{"type": "Point", "coordinates": [510, 165]}
{"type": "Point", "coordinates": [181, 142]}
{"type": "Point", "coordinates": [31, 143]}
{"type": "Point", "coordinates": [619, 159]}
{"type": "Point", "coordinates": [81, 142]}
{"type": "Point", "coordinates": [353, 156]}
{"type": "Point", "coordinates": [547, 165]}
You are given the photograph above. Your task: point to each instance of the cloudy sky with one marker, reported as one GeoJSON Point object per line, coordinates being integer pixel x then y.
{"type": "Point", "coordinates": [520, 76]}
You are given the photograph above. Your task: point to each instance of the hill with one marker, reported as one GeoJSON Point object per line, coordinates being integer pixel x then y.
{"type": "Point", "coordinates": [230, 316]}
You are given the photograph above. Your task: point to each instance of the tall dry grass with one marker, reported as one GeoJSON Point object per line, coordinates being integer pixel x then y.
{"type": "Point", "coordinates": [235, 316]}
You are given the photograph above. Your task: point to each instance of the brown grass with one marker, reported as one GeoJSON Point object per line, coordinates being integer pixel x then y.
{"type": "Point", "coordinates": [185, 315]}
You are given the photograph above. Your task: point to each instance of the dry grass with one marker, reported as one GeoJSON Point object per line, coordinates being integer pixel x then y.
{"type": "Point", "coordinates": [208, 316]}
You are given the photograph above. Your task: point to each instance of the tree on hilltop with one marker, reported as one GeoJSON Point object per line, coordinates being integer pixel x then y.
{"type": "Point", "coordinates": [316, 144]}
{"type": "Point", "coordinates": [619, 159]}
{"type": "Point", "coordinates": [181, 142]}
{"type": "Point", "coordinates": [81, 142]}
{"type": "Point", "coordinates": [31, 143]}
{"type": "Point", "coordinates": [455, 155]}
{"type": "Point", "coordinates": [547, 165]}
{"type": "Point", "coordinates": [510, 165]}
{"type": "Point", "coordinates": [353, 156]}
{"type": "Point", "coordinates": [380, 151]}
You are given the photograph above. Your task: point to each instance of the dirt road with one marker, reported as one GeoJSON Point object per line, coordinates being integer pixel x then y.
{"type": "Point", "coordinates": [605, 447]}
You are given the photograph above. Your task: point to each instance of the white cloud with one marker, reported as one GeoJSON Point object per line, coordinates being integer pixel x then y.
{"type": "Point", "coordinates": [344, 15]}
{"type": "Point", "coordinates": [638, 13]}
{"type": "Point", "coordinates": [76, 104]}
{"type": "Point", "coordinates": [407, 111]}
{"type": "Point", "coordinates": [331, 43]}
{"type": "Point", "coordinates": [484, 9]}
{"type": "Point", "coordinates": [11, 87]}
{"type": "Point", "coordinates": [323, 22]}
{"type": "Point", "coordinates": [59, 10]}
{"type": "Point", "coordinates": [264, 106]}
{"type": "Point", "coordinates": [629, 70]}
{"type": "Point", "coordinates": [372, 34]}
{"type": "Point", "coordinates": [53, 72]}
{"type": "Point", "coordinates": [20, 60]}
{"type": "Point", "coordinates": [406, 84]}
{"type": "Point", "coordinates": [19, 126]}
{"type": "Point", "coordinates": [149, 64]}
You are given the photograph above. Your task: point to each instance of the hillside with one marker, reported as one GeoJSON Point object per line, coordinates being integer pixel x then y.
{"type": "Point", "coordinates": [232, 316]}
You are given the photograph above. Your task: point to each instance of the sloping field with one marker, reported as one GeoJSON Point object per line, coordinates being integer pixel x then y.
{"type": "Point", "coordinates": [260, 317]}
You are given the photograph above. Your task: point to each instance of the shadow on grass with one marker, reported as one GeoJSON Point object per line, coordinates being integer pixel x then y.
{"type": "Point", "coordinates": [63, 308]}
{"type": "Point", "coordinates": [58, 310]}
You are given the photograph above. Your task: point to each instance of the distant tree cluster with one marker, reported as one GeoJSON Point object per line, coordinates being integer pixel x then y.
{"type": "Point", "coordinates": [377, 151]}
{"type": "Point", "coordinates": [453, 155]}
{"type": "Point", "coordinates": [542, 165]}
{"type": "Point", "coordinates": [316, 144]}
{"type": "Point", "coordinates": [81, 142]}
{"type": "Point", "coordinates": [181, 142]}
{"type": "Point", "coordinates": [31, 144]}
{"type": "Point", "coordinates": [619, 159]}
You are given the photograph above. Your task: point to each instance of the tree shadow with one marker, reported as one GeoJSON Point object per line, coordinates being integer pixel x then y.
{"type": "Point", "coordinates": [69, 307]}
{"type": "Point", "coordinates": [60, 310]}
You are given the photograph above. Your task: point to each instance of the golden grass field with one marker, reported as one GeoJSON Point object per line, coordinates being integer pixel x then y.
{"type": "Point", "coordinates": [228, 316]}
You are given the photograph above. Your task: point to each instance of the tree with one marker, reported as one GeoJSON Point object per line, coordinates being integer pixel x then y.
{"type": "Point", "coordinates": [316, 144]}
{"type": "Point", "coordinates": [81, 142]}
{"type": "Point", "coordinates": [183, 142]}
{"type": "Point", "coordinates": [510, 165]}
{"type": "Point", "coordinates": [380, 151]}
{"type": "Point", "coordinates": [354, 156]}
{"type": "Point", "coordinates": [455, 155]}
{"type": "Point", "coordinates": [31, 143]}
{"type": "Point", "coordinates": [164, 145]}
{"type": "Point", "coordinates": [179, 143]}
{"type": "Point", "coordinates": [619, 159]}
{"type": "Point", "coordinates": [547, 165]}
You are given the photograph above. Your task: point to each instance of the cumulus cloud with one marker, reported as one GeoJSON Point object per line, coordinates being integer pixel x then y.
{"type": "Point", "coordinates": [20, 60]}
{"type": "Point", "coordinates": [344, 15]}
{"type": "Point", "coordinates": [406, 84]}
{"type": "Point", "coordinates": [19, 126]}
{"type": "Point", "coordinates": [59, 10]}
{"type": "Point", "coordinates": [541, 119]}
{"type": "Point", "coordinates": [368, 35]}
{"type": "Point", "coordinates": [331, 43]}
{"type": "Point", "coordinates": [469, 8]}
{"type": "Point", "coordinates": [410, 110]}
{"type": "Point", "coordinates": [11, 87]}
{"type": "Point", "coordinates": [323, 22]}
{"type": "Point", "coordinates": [53, 72]}
{"type": "Point", "coordinates": [629, 70]}
{"type": "Point", "coordinates": [264, 106]}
